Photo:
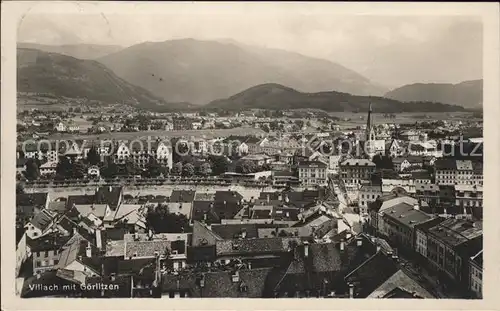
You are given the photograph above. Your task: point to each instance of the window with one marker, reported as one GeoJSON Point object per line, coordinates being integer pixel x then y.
{"type": "Point", "coordinates": [56, 261]}
{"type": "Point", "coordinates": [46, 254]}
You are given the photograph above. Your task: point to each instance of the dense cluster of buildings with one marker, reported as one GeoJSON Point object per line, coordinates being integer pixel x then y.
{"type": "Point", "coordinates": [394, 216]}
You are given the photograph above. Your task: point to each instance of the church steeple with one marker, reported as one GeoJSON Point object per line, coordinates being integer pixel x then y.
{"type": "Point", "coordinates": [369, 130]}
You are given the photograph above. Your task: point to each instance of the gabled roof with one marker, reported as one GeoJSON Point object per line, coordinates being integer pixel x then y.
{"type": "Point", "coordinates": [42, 220]}
{"type": "Point", "coordinates": [57, 206]}
{"type": "Point", "coordinates": [98, 210]}
{"type": "Point", "coordinates": [400, 280]}
{"type": "Point", "coordinates": [253, 246]}
{"type": "Point", "coordinates": [108, 195]}
{"type": "Point", "coordinates": [47, 242]}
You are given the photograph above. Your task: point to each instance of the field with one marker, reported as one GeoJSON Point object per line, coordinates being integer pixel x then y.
{"type": "Point", "coordinates": [208, 133]}
{"type": "Point", "coordinates": [357, 119]}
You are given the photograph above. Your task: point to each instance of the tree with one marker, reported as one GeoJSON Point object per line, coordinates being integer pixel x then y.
{"type": "Point", "coordinates": [176, 169]}
{"type": "Point", "coordinates": [266, 128]}
{"type": "Point", "coordinates": [383, 162]}
{"type": "Point", "coordinates": [130, 168]}
{"type": "Point", "coordinates": [220, 164]}
{"type": "Point", "coordinates": [78, 169]}
{"type": "Point", "coordinates": [93, 157]}
{"type": "Point", "coordinates": [246, 167]}
{"type": "Point", "coordinates": [153, 168]}
{"type": "Point", "coordinates": [109, 169]}
{"type": "Point", "coordinates": [205, 169]}
{"type": "Point", "coordinates": [19, 188]}
{"type": "Point", "coordinates": [188, 170]}
{"type": "Point", "coordinates": [160, 220]}
{"type": "Point", "coordinates": [63, 168]}
{"type": "Point", "coordinates": [32, 169]}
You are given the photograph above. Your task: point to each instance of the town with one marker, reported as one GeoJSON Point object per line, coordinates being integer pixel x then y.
{"type": "Point", "coordinates": [253, 204]}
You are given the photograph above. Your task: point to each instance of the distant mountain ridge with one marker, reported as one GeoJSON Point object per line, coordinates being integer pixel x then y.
{"type": "Point", "coordinates": [202, 71]}
{"type": "Point", "coordinates": [66, 76]}
{"type": "Point", "coordinates": [468, 94]}
{"type": "Point", "coordinates": [81, 51]}
{"type": "Point", "coordinates": [276, 96]}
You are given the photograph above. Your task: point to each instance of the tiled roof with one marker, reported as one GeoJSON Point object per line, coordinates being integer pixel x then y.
{"type": "Point", "coordinates": [310, 272]}
{"type": "Point", "coordinates": [371, 274]}
{"type": "Point", "coordinates": [109, 196]}
{"type": "Point", "coordinates": [402, 281]}
{"type": "Point", "coordinates": [200, 208]}
{"type": "Point", "coordinates": [232, 231]}
{"type": "Point", "coordinates": [456, 231]}
{"type": "Point", "coordinates": [42, 220]}
{"type": "Point", "coordinates": [445, 164]}
{"type": "Point", "coordinates": [250, 284]}
{"type": "Point", "coordinates": [98, 210]}
{"type": "Point", "coordinates": [79, 199]}
{"type": "Point", "coordinates": [310, 164]}
{"type": "Point", "coordinates": [202, 235]}
{"type": "Point", "coordinates": [57, 206]}
{"type": "Point", "coordinates": [47, 242]}
{"type": "Point", "coordinates": [253, 246]}
{"type": "Point", "coordinates": [144, 247]}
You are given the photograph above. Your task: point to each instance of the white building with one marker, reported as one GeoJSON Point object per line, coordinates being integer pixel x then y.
{"type": "Point", "coordinates": [312, 173]}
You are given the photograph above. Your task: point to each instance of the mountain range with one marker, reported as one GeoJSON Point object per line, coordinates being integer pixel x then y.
{"type": "Point", "coordinates": [468, 94]}
{"type": "Point", "coordinates": [202, 71]}
{"type": "Point", "coordinates": [279, 97]}
{"type": "Point", "coordinates": [81, 51]}
{"type": "Point", "coordinates": [66, 76]}
{"type": "Point", "coordinates": [173, 74]}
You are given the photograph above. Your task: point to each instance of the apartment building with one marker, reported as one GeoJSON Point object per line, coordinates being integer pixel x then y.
{"type": "Point", "coordinates": [312, 173]}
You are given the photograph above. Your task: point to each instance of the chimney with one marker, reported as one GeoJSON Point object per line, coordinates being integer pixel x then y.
{"type": "Point", "coordinates": [359, 242]}
{"type": "Point", "coordinates": [416, 206]}
{"type": "Point", "coordinates": [79, 257]}
{"type": "Point", "coordinates": [351, 290]}
{"type": "Point", "coordinates": [88, 251]}
{"type": "Point", "coordinates": [38, 275]}
{"type": "Point", "coordinates": [378, 248]}
{"type": "Point", "coordinates": [249, 265]}
{"type": "Point", "coordinates": [204, 217]}
{"type": "Point", "coordinates": [243, 233]}
{"type": "Point", "coordinates": [74, 230]}
{"type": "Point", "coordinates": [268, 198]}
{"type": "Point", "coordinates": [110, 188]}
{"type": "Point", "coordinates": [342, 245]}
{"type": "Point", "coordinates": [306, 249]}
{"type": "Point", "coordinates": [136, 236]}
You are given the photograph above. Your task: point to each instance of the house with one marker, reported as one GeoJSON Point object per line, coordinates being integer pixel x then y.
{"type": "Point", "coordinates": [46, 251]}
{"type": "Point", "coordinates": [312, 173]}
{"type": "Point", "coordinates": [257, 159]}
{"type": "Point", "coordinates": [98, 210]}
{"type": "Point", "coordinates": [355, 172]}
{"type": "Point", "coordinates": [421, 235]}
{"type": "Point", "coordinates": [376, 209]}
{"type": "Point", "coordinates": [450, 244]}
{"type": "Point", "coordinates": [79, 256]}
{"type": "Point", "coordinates": [40, 224]}
{"type": "Point", "coordinates": [93, 171]}
{"type": "Point", "coordinates": [400, 164]}
{"type": "Point", "coordinates": [390, 184]}
{"type": "Point", "coordinates": [410, 135]}
{"type": "Point", "coordinates": [28, 204]}
{"type": "Point", "coordinates": [141, 246]}
{"type": "Point", "coordinates": [400, 285]}
{"type": "Point", "coordinates": [476, 274]}
{"type": "Point", "coordinates": [450, 171]}
{"type": "Point", "coordinates": [393, 149]}
{"type": "Point", "coordinates": [111, 196]}
{"type": "Point", "coordinates": [60, 127]}
{"type": "Point", "coordinates": [48, 168]}
{"type": "Point", "coordinates": [367, 194]}
{"type": "Point", "coordinates": [284, 178]}
{"type": "Point", "coordinates": [421, 177]}
{"type": "Point", "coordinates": [73, 128]}
{"type": "Point", "coordinates": [399, 224]}
{"type": "Point", "coordinates": [469, 196]}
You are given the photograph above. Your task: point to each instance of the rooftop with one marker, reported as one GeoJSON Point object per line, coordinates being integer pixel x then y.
{"type": "Point", "coordinates": [456, 231]}
{"type": "Point", "coordinates": [402, 281]}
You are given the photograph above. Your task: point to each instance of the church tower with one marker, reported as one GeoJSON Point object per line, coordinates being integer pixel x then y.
{"type": "Point", "coordinates": [369, 133]}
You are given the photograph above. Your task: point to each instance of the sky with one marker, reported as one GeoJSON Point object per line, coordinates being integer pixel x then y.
{"type": "Point", "coordinates": [391, 50]}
